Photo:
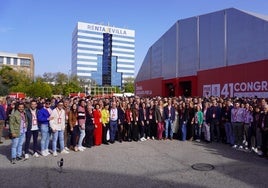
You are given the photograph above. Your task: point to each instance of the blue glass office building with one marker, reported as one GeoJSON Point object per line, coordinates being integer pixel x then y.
{"type": "Point", "coordinates": [103, 54]}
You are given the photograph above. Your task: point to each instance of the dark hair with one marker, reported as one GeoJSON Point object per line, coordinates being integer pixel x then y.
{"type": "Point", "coordinates": [33, 101]}
{"type": "Point", "coordinates": [48, 101]}
{"type": "Point", "coordinates": [80, 101]}
{"type": "Point", "coordinates": [18, 104]}
{"type": "Point", "coordinates": [72, 107]}
{"type": "Point", "coordinates": [61, 101]}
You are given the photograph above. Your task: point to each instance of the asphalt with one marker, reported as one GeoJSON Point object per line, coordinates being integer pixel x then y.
{"type": "Point", "coordinates": [147, 164]}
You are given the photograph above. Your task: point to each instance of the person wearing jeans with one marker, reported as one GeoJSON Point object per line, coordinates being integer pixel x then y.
{"type": "Point", "coordinates": [113, 121]}
{"type": "Point", "coordinates": [57, 125]}
{"type": "Point", "coordinates": [81, 122]}
{"type": "Point", "coordinates": [183, 114]}
{"type": "Point", "coordinates": [226, 119]}
{"type": "Point", "coordinates": [32, 129]}
{"type": "Point", "coordinates": [205, 124]}
{"type": "Point", "coordinates": [198, 123]}
{"type": "Point", "coordinates": [169, 115]}
{"type": "Point", "coordinates": [18, 126]}
{"type": "Point", "coordinates": [43, 116]}
{"type": "Point", "coordinates": [237, 119]}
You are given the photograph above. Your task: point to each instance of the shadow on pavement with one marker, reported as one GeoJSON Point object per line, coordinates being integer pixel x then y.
{"type": "Point", "coordinates": [51, 177]}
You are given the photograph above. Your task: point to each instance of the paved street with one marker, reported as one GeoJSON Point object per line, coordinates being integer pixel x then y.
{"type": "Point", "coordinates": [138, 164]}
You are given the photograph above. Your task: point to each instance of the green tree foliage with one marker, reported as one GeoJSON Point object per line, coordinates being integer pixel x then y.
{"type": "Point", "coordinates": [13, 81]}
{"type": "Point", "coordinates": [3, 89]}
{"type": "Point", "coordinates": [50, 83]}
{"type": "Point", "coordinates": [61, 84]}
{"type": "Point", "coordinates": [48, 77]}
{"type": "Point", "coordinates": [39, 89]}
{"type": "Point", "coordinates": [9, 77]}
{"type": "Point", "coordinates": [129, 85]}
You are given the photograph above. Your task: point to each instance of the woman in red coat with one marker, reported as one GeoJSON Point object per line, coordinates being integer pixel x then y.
{"type": "Point", "coordinates": [98, 125]}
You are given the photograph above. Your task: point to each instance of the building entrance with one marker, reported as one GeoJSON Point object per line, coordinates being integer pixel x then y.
{"type": "Point", "coordinates": [185, 88]}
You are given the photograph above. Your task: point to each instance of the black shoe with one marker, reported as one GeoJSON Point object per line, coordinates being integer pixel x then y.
{"type": "Point", "coordinates": [1, 142]}
{"type": "Point", "coordinates": [13, 161]}
{"type": "Point", "coordinates": [19, 158]}
{"type": "Point", "coordinates": [111, 142]}
{"type": "Point", "coordinates": [106, 143]}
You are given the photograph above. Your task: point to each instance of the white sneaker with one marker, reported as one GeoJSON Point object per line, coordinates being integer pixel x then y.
{"type": "Point", "coordinates": [255, 150]}
{"type": "Point", "coordinates": [26, 156]}
{"type": "Point", "coordinates": [55, 154]}
{"type": "Point", "coordinates": [48, 153]}
{"type": "Point", "coordinates": [152, 137]}
{"type": "Point", "coordinates": [35, 154]}
{"type": "Point", "coordinates": [80, 149]}
{"type": "Point", "coordinates": [44, 153]}
{"type": "Point", "coordinates": [148, 138]}
{"type": "Point", "coordinates": [142, 139]}
{"type": "Point", "coordinates": [240, 147]}
{"type": "Point", "coordinates": [84, 148]}
{"type": "Point", "coordinates": [234, 146]}
{"type": "Point", "coordinates": [67, 149]}
{"type": "Point", "coordinates": [259, 152]}
{"type": "Point", "coordinates": [64, 151]}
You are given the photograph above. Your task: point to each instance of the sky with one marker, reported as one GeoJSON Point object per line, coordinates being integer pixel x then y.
{"type": "Point", "coordinates": [44, 27]}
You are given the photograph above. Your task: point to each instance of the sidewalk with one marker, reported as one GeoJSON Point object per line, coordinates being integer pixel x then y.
{"type": "Point", "coordinates": [150, 163]}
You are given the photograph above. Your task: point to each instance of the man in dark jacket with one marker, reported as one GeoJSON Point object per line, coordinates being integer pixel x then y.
{"type": "Point", "coordinates": [169, 115]}
{"type": "Point", "coordinates": [32, 129]}
{"type": "Point", "coordinates": [213, 118]}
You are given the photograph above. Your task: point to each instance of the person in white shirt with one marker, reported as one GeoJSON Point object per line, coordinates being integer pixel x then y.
{"type": "Point", "coordinates": [32, 129]}
{"type": "Point", "coordinates": [57, 125]}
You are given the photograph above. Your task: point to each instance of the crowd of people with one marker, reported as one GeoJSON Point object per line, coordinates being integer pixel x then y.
{"type": "Point", "coordinates": [79, 123]}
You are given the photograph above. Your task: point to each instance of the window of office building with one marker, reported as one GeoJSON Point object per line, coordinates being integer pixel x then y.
{"type": "Point", "coordinates": [106, 60]}
{"type": "Point", "coordinates": [1, 60]}
{"type": "Point", "coordinates": [15, 61]}
{"type": "Point", "coordinates": [8, 60]}
{"type": "Point", "coordinates": [25, 62]}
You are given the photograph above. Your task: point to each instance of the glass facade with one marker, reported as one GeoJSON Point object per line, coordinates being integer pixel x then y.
{"type": "Point", "coordinates": [8, 60]}
{"type": "Point", "coordinates": [15, 61]}
{"type": "Point", "coordinates": [103, 54]}
{"type": "Point", "coordinates": [106, 60]}
{"type": "Point", "coordinates": [1, 60]}
{"type": "Point", "coordinates": [25, 62]}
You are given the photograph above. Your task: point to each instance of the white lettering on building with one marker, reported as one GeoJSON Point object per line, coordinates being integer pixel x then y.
{"type": "Point", "coordinates": [107, 29]}
{"type": "Point", "coordinates": [140, 91]}
{"type": "Point", "coordinates": [252, 88]}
